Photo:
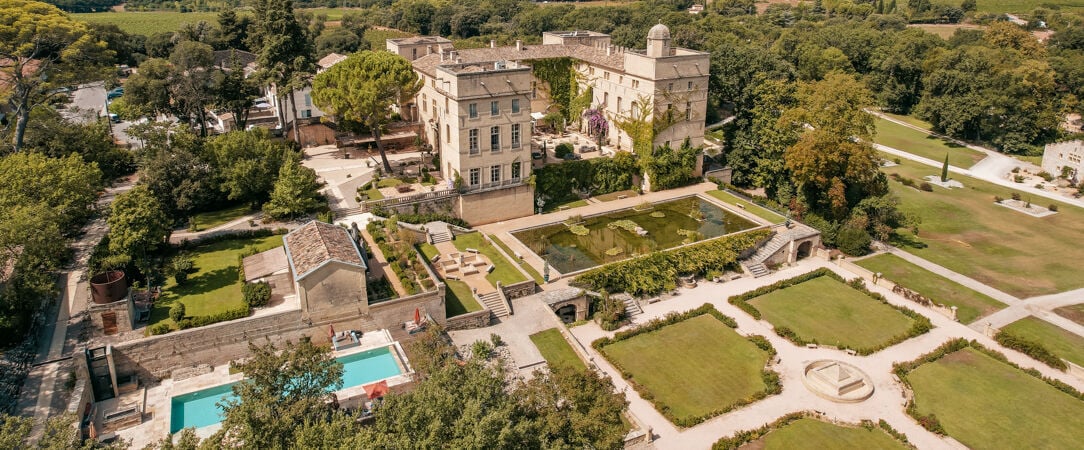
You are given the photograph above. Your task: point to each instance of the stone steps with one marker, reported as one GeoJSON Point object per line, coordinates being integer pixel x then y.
{"type": "Point", "coordinates": [493, 301]}
{"type": "Point", "coordinates": [757, 269]}
{"type": "Point", "coordinates": [440, 236]}
{"type": "Point", "coordinates": [632, 308]}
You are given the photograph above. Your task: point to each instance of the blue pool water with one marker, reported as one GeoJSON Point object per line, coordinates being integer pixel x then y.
{"type": "Point", "coordinates": [200, 408]}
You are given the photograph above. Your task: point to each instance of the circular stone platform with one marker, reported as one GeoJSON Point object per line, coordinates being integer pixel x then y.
{"type": "Point", "coordinates": [837, 381]}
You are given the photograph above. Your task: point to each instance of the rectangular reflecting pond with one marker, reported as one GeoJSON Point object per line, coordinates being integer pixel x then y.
{"type": "Point", "coordinates": [606, 238]}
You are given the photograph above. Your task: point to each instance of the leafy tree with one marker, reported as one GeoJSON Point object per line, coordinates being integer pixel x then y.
{"type": "Point", "coordinates": [193, 81]}
{"type": "Point", "coordinates": [56, 136]}
{"type": "Point", "coordinates": [338, 40]}
{"type": "Point", "coordinates": [296, 192]}
{"type": "Point", "coordinates": [233, 30]}
{"type": "Point", "coordinates": [756, 151]}
{"type": "Point", "coordinates": [138, 225]}
{"type": "Point", "coordinates": [833, 163]}
{"type": "Point", "coordinates": [282, 391]}
{"type": "Point", "coordinates": [284, 51]}
{"type": "Point", "coordinates": [248, 162]}
{"type": "Point", "coordinates": [147, 92]}
{"type": "Point", "coordinates": [362, 89]}
{"type": "Point", "coordinates": [182, 181]}
{"type": "Point", "coordinates": [42, 49]}
{"type": "Point", "coordinates": [67, 186]}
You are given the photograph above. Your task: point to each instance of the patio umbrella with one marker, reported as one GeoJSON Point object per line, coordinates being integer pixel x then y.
{"type": "Point", "coordinates": [376, 390]}
{"type": "Point", "coordinates": [417, 316]}
{"type": "Point", "coordinates": [331, 331]}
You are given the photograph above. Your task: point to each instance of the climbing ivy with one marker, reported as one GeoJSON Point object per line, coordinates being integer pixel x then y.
{"type": "Point", "coordinates": [558, 75]}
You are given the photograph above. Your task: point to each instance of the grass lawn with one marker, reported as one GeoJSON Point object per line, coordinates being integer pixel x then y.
{"type": "Point", "coordinates": [1072, 312]}
{"type": "Point", "coordinates": [211, 219]}
{"type": "Point", "coordinates": [985, 403]}
{"type": "Point", "coordinates": [148, 23]}
{"type": "Point", "coordinates": [556, 350]}
{"type": "Point", "coordinates": [750, 207]}
{"type": "Point", "coordinates": [832, 313]}
{"type": "Point", "coordinates": [215, 287]}
{"type": "Point", "coordinates": [918, 143]}
{"type": "Point", "coordinates": [530, 270]}
{"type": "Point", "coordinates": [503, 271]}
{"type": "Point", "coordinates": [1060, 342]}
{"type": "Point", "coordinates": [813, 433]}
{"type": "Point", "coordinates": [551, 207]}
{"type": "Point", "coordinates": [1020, 6]}
{"type": "Point", "coordinates": [614, 195]}
{"type": "Point", "coordinates": [694, 367]}
{"type": "Point", "coordinates": [458, 299]}
{"type": "Point", "coordinates": [970, 304]}
{"type": "Point", "coordinates": [966, 232]}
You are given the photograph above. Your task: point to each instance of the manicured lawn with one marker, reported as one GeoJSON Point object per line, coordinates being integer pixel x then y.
{"type": "Point", "coordinates": [966, 232]}
{"type": "Point", "coordinates": [747, 206]}
{"type": "Point", "coordinates": [1060, 342]}
{"type": "Point", "coordinates": [1072, 312]}
{"type": "Point", "coordinates": [985, 403]}
{"type": "Point", "coordinates": [695, 366]}
{"type": "Point", "coordinates": [550, 207]}
{"type": "Point", "coordinates": [614, 195]}
{"type": "Point", "coordinates": [428, 250]}
{"type": "Point", "coordinates": [214, 287]}
{"type": "Point", "coordinates": [970, 304]}
{"type": "Point", "coordinates": [918, 143]}
{"type": "Point", "coordinates": [556, 350]}
{"type": "Point", "coordinates": [503, 271]}
{"type": "Point", "coordinates": [458, 299]}
{"type": "Point", "coordinates": [812, 434]}
{"type": "Point", "coordinates": [148, 23]}
{"type": "Point", "coordinates": [832, 313]}
{"type": "Point", "coordinates": [530, 270]}
{"type": "Point", "coordinates": [912, 119]}
{"type": "Point", "coordinates": [211, 219]}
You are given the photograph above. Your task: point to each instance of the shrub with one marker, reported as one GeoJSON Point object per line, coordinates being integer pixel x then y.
{"type": "Point", "coordinates": [180, 266]}
{"type": "Point", "coordinates": [611, 314]}
{"type": "Point", "coordinates": [1053, 207]}
{"type": "Point", "coordinates": [1016, 169]}
{"type": "Point", "coordinates": [481, 349]}
{"type": "Point", "coordinates": [256, 294]}
{"type": "Point", "coordinates": [998, 199]}
{"type": "Point", "coordinates": [1046, 176]}
{"type": "Point", "coordinates": [159, 328]}
{"type": "Point", "coordinates": [1016, 196]}
{"type": "Point", "coordinates": [926, 187]}
{"type": "Point", "coordinates": [562, 150]}
{"type": "Point", "coordinates": [176, 312]}
{"type": "Point", "coordinates": [853, 241]}
{"type": "Point", "coordinates": [1031, 348]}
{"type": "Point", "coordinates": [495, 339]}
{"type": "Point", "coordinates": [1018, 178]}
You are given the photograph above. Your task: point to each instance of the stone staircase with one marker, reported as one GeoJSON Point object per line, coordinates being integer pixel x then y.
{"type": "Point", "coordinates": [631, 307]}
{"type": "Point", "coordinates": [439, 236]}
{"type": "Point", "coordinates": [757, 269]}
{"type": "Point", "coordinates": [494, 302]}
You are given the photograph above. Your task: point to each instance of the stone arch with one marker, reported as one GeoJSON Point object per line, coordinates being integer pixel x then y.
{"type": "Point", "coordinates": [805, 249]}
{"type": "Point", "coordinates": [567, 313]}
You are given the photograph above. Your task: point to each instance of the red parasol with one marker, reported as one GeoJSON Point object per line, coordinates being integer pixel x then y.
{"type": "Point", "coordinates": [417, 316]}
{"type": "Point", "coordinates": [331, 331]}
{"type": "Point", "coordinates": [376, 390]}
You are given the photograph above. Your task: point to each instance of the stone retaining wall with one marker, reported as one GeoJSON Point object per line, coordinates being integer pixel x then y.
{"type": "Point", "coordinates": [477, 319]}
{"type": "Point", "coordinates": [521, 289]}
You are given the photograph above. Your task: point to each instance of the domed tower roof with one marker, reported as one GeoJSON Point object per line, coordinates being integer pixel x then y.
{"type": "Point", "coordinates": [659, 31]}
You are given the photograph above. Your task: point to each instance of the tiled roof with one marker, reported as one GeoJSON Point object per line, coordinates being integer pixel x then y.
{"type": "Point", "coordinates": [330, 60]}
{"type": "Point", "coordinates": [422, 40]}
{"type": "Point", "coordinates": [594, 55]}
{"type": "Point", "coordinates": [315, 244]}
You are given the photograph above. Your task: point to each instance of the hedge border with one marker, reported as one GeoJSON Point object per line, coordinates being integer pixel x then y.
{"type": "Point", "coordinates": [930, 422]}
{"type": "Point", "coordinates": [740, 438]}
{"type": "Point", "coordinates": [771, 379]}
{"type": "Point", "coordinates": [920, 326]}
{"type": "Point", "coordinates": [1036, 350]}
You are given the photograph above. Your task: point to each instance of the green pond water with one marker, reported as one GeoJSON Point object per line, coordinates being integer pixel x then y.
{"type": "Point", "coordinates": [667, 225]}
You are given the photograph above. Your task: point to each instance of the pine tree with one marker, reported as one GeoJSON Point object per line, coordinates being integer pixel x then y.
{"type": "Point", "coordinates": [295, 192]}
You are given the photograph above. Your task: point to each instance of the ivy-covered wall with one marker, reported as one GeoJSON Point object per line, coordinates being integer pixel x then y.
{"type": "Point", "coordinates": [555, 182]}
{"type": "Point", "coordinates": [558, 75]}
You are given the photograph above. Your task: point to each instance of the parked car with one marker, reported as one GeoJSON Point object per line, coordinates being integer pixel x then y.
{"type": "Point", "coordinates": [572, 157]}
{"type": "Point", "coordinates": [116, 92]}
{"type": "Point", "coordinates": [536, 155]}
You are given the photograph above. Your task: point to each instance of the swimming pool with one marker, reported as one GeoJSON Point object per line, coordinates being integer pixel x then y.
{"type": "Point", "coordinates": [200, 408]}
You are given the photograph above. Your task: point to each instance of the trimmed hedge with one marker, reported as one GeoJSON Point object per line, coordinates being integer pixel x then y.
{"type": "Point", "coordinates": [930, 422]}
{"type": "Point", "coordinates": [657, 272]}
{"type": "Point", "coordinates": [256, 294]}
{"type": "Point", "coordinates": [921, 325]}
{"type": "Point", "coordinates": [771, 379]}
{"type": "Point", "coordinates": [420, 218]}
{"type": "Point", "coordinates": [744, 437]}
{"type": "Point", "coordinates": [1031, 348]}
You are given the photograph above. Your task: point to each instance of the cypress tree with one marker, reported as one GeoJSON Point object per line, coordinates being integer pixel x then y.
{"type": "Point", "coordinates": [944, 170]}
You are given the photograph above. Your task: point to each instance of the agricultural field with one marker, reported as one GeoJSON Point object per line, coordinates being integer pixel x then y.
{"type": "Point", "coordinates": [147, 23]}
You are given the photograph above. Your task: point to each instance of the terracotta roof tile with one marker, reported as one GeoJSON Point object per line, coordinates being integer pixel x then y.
{"type": "Point", "coordinates": [315, 244]}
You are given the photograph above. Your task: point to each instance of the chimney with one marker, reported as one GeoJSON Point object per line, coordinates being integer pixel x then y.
{"type": "Point", "coordinates": [519, 44]}
{"type": "Point", "coordinates": [452, 55]}
{"type": "Point", "coordinates": [441, 55]}
{"type": "Point", "coordinates": [609, 50]}
{"type": "Point", "coordinates": [492, 43]}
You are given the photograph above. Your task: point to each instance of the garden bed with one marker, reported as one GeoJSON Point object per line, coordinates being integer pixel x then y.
{"type": "Point", "coordinates": [979, 398]}
{"type": "Point", "coordinates": [807, 430]}
{"type": "Point", "coordinates": [1062, 343]}
{"type": "Point", "coordinates": [693, 366]}
{"type": "Point", "coordinates": [820, 308]}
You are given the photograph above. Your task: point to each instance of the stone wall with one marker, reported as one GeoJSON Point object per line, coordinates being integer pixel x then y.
{"type": "Point", "coordinates": [521, 289]}
{"type": "Point", "coordinates": [477, 319]}
{"type": "Point", "coordinates": [493, 206]}
{"type": "Point", "coordinates": [156, 357]}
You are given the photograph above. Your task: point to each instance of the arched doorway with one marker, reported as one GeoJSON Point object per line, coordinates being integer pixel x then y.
{"type": "Point", "coordinates": [567, 313]}
{"type": "Point", "coordinates": [805, 249]}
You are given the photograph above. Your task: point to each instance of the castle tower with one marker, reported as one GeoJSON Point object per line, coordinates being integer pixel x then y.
{"type": "Point", "coordinates": [658, 41]}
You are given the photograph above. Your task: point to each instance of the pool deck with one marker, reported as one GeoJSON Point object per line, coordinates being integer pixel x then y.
{"type": "Point", "coordinates": [158, 401]}
{"type": "Point", "coordinates": [503, 230]}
